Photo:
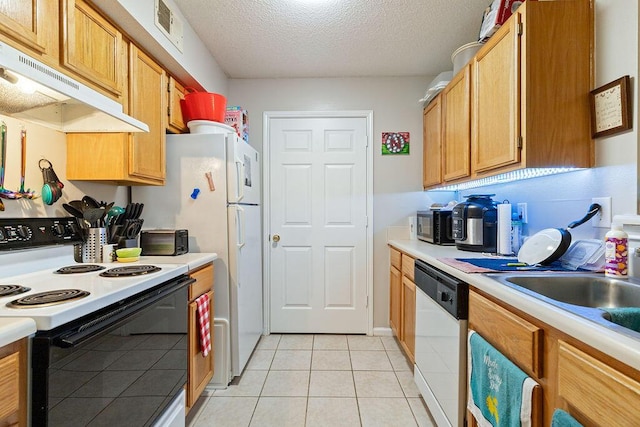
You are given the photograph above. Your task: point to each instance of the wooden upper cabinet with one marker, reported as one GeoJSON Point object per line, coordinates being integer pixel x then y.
{"type": "Point", "coordinates": [121, 158]}
{"type": "Point", "coordinates": [432, 144]}
{"type": "Point", "coordinates": [175, 123]}
{"type": "Point", "coordinates": [496, 100]}
{"type": "Point", "coordinates": [531, 84]}
{"type": "Point", "coordinates": [147, 103]}
{"type": "Point", "coordinates": [91, 46]}
{"type": "Point", "coordinates": [31, 24]}
{"type": "Point", "coordinates": [456, 131]}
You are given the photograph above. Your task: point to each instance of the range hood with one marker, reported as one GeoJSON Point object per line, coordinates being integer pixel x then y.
{"type": "Point", "coordinates": [56, 100]}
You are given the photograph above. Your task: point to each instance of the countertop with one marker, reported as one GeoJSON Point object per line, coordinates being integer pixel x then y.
{"type": "Point", "coordinates": [622, 347]}
{"type": "Point", "coordinates": [193, 260]}
{"type": "Point", "coordinates": [14, 328]}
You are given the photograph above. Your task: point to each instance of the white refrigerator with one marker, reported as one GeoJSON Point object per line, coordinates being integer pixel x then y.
{"type": "Point", "coordinates": [213, 190]}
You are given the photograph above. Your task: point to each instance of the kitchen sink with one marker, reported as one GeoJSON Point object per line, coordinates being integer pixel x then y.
{"type": "Point", "coordinates": [583, 294]}
{"type": "Point", "coordinates": [586, 291]}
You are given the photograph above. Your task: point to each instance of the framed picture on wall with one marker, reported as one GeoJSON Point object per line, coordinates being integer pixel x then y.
{"type": "Point", "coordinates": [611, 108]}
{"type": "Point", "coordinates": [395, 143]}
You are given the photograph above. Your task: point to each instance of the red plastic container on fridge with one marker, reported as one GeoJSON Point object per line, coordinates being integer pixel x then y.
{"type": "Point", "coordinates": [203, 106]}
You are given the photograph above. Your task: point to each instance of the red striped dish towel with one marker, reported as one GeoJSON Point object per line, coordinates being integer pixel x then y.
{"type": "Point", "coordinates": [203, 323]}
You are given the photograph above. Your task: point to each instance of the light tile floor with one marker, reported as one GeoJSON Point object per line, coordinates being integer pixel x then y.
{"type": "Point", "coordinates": [319, 380]}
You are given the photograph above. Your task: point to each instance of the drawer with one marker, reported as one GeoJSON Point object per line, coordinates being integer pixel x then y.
{"type": "Point", "coordinates": [513, 336]}
{"type": "Point", "coordinates": [204, 281]}
{"type": "Point", "coordinates": [395, 257]}
{"type": "Point", "coordinates": [408, 264]}
{"type": "Point", "coordinates": [598, 391]}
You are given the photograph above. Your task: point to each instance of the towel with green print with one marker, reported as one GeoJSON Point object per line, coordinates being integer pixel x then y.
{"type": "Point", "coordinates": [499, 392]}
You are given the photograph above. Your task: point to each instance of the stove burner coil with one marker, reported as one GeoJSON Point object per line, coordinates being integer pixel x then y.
{"type": "Point", "coordinates": [8, 290]}
{"type": "Point", "coordinates": [44, 299]}
{"type": "Point", "coordinates": [131, 270]}
{"type": "Point", "coordinates": [81, 268]}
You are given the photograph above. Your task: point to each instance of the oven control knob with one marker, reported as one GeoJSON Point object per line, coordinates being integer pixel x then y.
{"type": "Point", "coordinates": [58, 230]}
{"type": "Point", "coordinates": [24, 232]}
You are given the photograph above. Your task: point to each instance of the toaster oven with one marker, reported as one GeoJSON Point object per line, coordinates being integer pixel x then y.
{"type": "Point", "coordinates": [164, 242]}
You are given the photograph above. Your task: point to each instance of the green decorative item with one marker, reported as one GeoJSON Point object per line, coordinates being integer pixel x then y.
{"type": "Point", "coordinates": [395, 143]}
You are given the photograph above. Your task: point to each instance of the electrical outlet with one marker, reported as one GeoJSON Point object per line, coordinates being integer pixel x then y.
{"type": "Point", "coordinates": [603, 218]}
{"type": "Point", "coordinates": [522, 212]}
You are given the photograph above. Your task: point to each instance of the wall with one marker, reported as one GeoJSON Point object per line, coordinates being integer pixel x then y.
{"type": "Point", "coordinates": [45, 143]}
{"type": "Point", "coordinates": [397, 179]}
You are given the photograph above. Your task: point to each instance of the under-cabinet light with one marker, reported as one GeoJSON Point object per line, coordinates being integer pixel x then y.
{"type": "Point", "coordinates": [505, 177]}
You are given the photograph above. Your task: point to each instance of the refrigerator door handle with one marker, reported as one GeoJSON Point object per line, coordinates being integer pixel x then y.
{"type": "Point", "coordinates": [239, 179]}
{"type": "Point", "coordinates": [240, 227]}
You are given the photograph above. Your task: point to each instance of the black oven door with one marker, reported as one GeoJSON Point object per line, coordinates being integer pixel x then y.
{"type": "Point", "coordinates": [121, 366]}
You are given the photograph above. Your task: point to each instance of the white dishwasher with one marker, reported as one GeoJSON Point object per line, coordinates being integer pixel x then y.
{"type": "Point", "coordinates": [441, 343]}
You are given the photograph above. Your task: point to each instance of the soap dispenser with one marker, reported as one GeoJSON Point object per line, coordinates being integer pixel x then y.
{"type": "Point", "coordinates": [616, 252]}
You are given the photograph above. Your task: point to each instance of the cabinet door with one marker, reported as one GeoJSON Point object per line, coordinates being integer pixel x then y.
{"type": "Point", "coordinates": [32, 24]}
{"type": "Point", "coordinates": [147, 103]}
{"type": "Point", "coordinates": [175, 122]}
{"type": "Point", "coordinates": [409, 317]}
{"type": "Point", "coordinates": [604, 395]}
{"type": "Point", "coordinates": [91, 46]}
{"type": "Point", "coordinates": [456, 134]}
{"type": "Point", "coordinates": [200, 368]}
{"type": "Point", "coordinates": [432, 144]}
{"type": "Point", "coordinates": [496, 100]}
{"type": "Point", "coordinates": [395, 301]}
{"type": "Point", "coordinates": [13, 383]}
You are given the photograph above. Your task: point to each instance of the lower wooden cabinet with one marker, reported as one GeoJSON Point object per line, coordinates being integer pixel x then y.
{"type": "Point", "coordinates": [594, 388]}
{"type": "Point", "coordinates": [408, 340]}
{"type": "Point", "coordinates": [402, 301]}
{"type": "Point", "coordinates": [602, 394]}
{"type": "Point", "coordinates": [13, 384]}
{"type": "Point", "coordinates": [200, 368]}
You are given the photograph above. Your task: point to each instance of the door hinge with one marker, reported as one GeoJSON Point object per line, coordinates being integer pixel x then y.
{"type": "Point", "coordinates": [169, 110]}
{"type": "Point", "coordinates": [366, 221]}
{"type": "Point", "coordinates": [367, 304]}
{"type": "Point", "coordinates": [519, 142]}
{"type": "Point", "coordinates": [520, 28]}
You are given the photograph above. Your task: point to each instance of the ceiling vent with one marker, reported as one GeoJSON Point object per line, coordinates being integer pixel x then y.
{"type": "Point", "coordinates": [169, 23]}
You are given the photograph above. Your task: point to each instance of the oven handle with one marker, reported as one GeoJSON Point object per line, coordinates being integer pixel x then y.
{"type": "Point", "coordinates": [111, 318]}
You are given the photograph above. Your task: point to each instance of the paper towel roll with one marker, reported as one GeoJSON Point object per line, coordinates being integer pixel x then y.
{"type": "Point", "coordinates": [504, 229]}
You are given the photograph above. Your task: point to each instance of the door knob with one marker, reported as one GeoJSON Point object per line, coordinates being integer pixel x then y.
{"type": "Point", "coordinates": [276, 238]}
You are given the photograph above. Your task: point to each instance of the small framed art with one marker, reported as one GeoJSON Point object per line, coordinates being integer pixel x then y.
{"type": "Point", "coordinates": [611, 108]}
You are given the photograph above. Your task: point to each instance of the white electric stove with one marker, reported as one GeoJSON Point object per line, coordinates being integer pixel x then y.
{"type": "Point", "coordinates": [95, 353]}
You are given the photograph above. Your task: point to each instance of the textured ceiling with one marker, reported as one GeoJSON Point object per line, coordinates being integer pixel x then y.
{"type": "Point", "coordinates": [333, 38]}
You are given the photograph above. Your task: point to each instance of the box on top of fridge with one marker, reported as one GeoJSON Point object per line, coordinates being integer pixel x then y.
{"type": "Point", "coordinates": [238, 119]}
{"type": "Point", "coordinates": [497, 14]}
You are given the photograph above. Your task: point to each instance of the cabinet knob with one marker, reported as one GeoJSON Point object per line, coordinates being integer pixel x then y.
{"type": "Point", "coordinates": [276, 238]}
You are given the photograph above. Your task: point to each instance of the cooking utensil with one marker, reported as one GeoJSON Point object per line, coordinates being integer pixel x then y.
{"type": "Point", "coordinates": [52, 187]}
{"type": "Point", "coordinates": [73, 211]}
{"type": "Point", "coordinates": [90, 202]}
{"type": "Point", "coordinates": [550, 244]}
{"type": "Point", "coordinates": [93, 216]}
{"type": "Point", "coordinates": [4, 193]}
{"type": "Point", "coordinates": [27, 194]}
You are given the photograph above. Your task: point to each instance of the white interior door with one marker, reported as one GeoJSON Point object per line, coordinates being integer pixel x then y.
{"type": "Point", "coordinates": [318, 211]}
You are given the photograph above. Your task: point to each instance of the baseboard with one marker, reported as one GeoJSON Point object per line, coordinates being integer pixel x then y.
{"type": "Point", "coordinates": [382, 332]}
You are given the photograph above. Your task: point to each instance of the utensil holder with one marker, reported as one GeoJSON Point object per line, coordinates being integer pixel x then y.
{"type": "Point", "coordinates": [92, 248]}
